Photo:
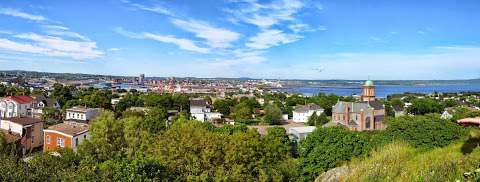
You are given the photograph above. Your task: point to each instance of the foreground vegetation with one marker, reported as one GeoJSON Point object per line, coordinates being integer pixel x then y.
{"type": "Point", "coordinates": [128, 149]}
{"type": "Point", "coordinates": [399, 161]}
{"type": "Point", "coordinates": [127, 145]}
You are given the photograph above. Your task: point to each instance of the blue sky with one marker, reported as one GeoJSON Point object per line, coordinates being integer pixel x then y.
{"type": "Point", "coordinates": [286, 39]}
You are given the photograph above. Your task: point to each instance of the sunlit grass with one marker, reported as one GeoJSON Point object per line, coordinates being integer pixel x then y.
{"type": "Point", "coordinates": [400, 162]}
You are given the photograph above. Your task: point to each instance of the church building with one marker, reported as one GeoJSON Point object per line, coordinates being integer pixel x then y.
{"type": "Point", "coordinates": [359, 116]}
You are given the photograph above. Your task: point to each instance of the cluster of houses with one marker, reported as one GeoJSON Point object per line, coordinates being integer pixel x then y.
{"type": "Point", "coordinates": [201, 110]}
{"type": "Point", "coordinates": [21, 124]}
{"type": "Point", "coordinates": [367, 114]}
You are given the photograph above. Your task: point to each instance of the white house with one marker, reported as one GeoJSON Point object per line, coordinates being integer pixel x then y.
{"type": "Point", "coordinates": [16, 106]}
{"type": "Point", "coordinates": [200, 110]}
{"type": "Point", "coordinates": [42, 102]}
{"type": "Point", "coordinates": [199, 105]}
{"type": "Point", "coordinates": [81, 114]}
{"type": "Point", "coordinates": [300, 133]}
{"type": "Point", "coordinates": [302, 113]}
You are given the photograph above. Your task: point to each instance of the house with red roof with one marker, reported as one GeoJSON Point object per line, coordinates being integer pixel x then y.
{"type": "Point", "coordinates": [16, 106]}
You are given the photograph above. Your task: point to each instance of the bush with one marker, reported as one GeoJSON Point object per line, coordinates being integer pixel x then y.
{"type": "Point", "coordinates": [327, 148]}
{"type": "Point", "coordinates": [424, 131]}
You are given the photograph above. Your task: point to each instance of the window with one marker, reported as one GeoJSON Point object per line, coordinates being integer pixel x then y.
{"type": "Point", "coordinates": [60, 142]}
{"type": "Point", "coordinates": [76, 142]}
{"type": "Point", "coordinates": [48, 139]}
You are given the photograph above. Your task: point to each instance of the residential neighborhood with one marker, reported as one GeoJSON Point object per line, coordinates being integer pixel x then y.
{"type": "Point", "coordinates": [240, 91]}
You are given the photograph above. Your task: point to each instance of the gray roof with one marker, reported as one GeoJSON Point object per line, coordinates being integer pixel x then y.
{"type": "Point", "coordinates": [198, 103]}
{"type": "Point", "coordinates": [354, 106]}
{"type": "Point", "coordinates": [308, 107]}
{"type": "Point", "coordinates": [376, 105]}
{"type": "Point", "coordinates": [47, 101]}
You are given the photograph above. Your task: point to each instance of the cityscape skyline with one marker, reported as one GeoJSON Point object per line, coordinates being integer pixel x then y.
{"type": "Point", "coordinates": [280, 39]}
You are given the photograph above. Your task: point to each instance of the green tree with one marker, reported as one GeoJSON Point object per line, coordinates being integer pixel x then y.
{"type": "Point", "coordinates": [317, 120]}
{"type": "Point", "coordinates": [224, 106]}
{"type": "Point", "coordinates": [107, 139]}
{"type": "Point", "coordinates": [50, 115]}
{"type": "Point", "coordinates": [155, 120]}
{"type": "Point", "coordinates": [273, 114]}
{"type": "Point", "coordinates": [425, 106]}
{"type": "Point", "coordinates": [278, 137]}
{"type": "Point", "coordinates": [241, 112]}
{"type": "Point", "coordinates": [424, 131]}
{"type": "Point", "coordinates": [62, 93]}
{"type": "Point", "coordinates": [137, 137]}
{"type": "Point", "coordinates": [325, 101]}
{"type": "Point", "coordinates": [327, 148]}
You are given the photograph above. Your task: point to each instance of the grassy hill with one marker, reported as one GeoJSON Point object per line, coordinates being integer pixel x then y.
{"type": "Point", "coordinates": [398, 161]}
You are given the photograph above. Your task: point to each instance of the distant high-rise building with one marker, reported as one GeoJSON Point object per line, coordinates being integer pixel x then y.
{"type": "Point", "coordinates": [141, 79]}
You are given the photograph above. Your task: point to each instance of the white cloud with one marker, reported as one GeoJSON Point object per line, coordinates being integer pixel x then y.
{"type": "Point", "coordinates": [266, 15]}
{"type": "Point", "coordinates": [62, 31]}
{"type": "Point", "coordinates": [184, 44]}
{"type": "Point", "coordinates": [20, 14]}
{"type": "Point", "coordinates": [52, 46]}
{"type": "Point", "coordinates": [128, 34]}
{"type": "Point", "coordinates": [215, 37]}
{"type": "Point", "coordinates": [114, 49]}
{"type": "Point", "coordinates": [270, 38]}
{"type": "Point", "coordinates": [8, 32]}
{"type": "Point", "coordinates": [302, 27]}
{"type": "Point", "coordinates": [155, 8]}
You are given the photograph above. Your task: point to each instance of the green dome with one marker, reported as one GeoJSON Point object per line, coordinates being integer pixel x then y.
{"type": "Point", "coordinates": [369, 83]}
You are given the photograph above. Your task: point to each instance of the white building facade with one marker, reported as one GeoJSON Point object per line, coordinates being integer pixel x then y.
{"type": "Point", "coordinates": [81, 114]}
{"type": "Point", "coordinates": [16, 106]}
{"type": "Point", "coordinates": [200, 110]}
{"type": "Point", "coordinates": [302, 113]}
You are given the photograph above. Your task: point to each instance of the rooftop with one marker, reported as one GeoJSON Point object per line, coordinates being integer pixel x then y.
{"type": "Point", "coordinates": [69, 128]}
{"type": "Point", "coordinates": [307, 107]}
{"type": "Point", "coordinates": [79, 109]}
{"type": "Point", "coordinates": [302, 129]}
{"type": "Point", "coordinates": [23, 120]}
{"type": "Point", "coordinates": [22, 99]}
{"type": "Point", "coordinates": [198, 102]}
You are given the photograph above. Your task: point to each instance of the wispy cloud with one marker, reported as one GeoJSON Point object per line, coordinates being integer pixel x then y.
{"type": "Point", "coordinates": [20, 14]}
{"type": "Point", "coordinates": [184, 44]}
{"type": "Point", "coordinates": [242, 56]}
{"type": "Point", "coordinates": [215, 37]}
{"type": "Point", "coordinates": [62, 31]}
{"type": "Point", "coordinates": [52, 46]}
{"type": "Point", "coordinates": [266, 15]}
{"type": "Point", "coordinates": [114, 49]}
{"type": "Point", "coordinates": [8, 32]}
{"type": "Point", "coordinates": [270, 38]}
{"type": "Point", "coordinates": [154, 8]}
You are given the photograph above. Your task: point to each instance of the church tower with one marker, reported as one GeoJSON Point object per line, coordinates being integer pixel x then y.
{"type": "Point", "coordinates": [368, 94]}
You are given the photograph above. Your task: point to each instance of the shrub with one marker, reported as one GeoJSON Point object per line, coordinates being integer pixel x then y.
{"type": "Point", "coordinates": [424, 131]}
